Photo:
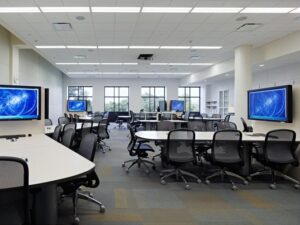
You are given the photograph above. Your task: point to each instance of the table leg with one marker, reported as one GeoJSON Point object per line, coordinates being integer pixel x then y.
{"type": "Point", "coordinates": [245, 169]}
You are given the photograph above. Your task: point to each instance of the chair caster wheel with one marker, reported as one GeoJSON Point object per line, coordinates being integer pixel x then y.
{"type": "Point", "coordinates": [91, 195]}
{"type": "Point", "coordinates": [199, 181]}
{"type": "Point", "coordinates": [207, 181]}
{"type": "Point", "coordinates": [163, 182]}
{"type": "Point", "coordinates": [102, 209]}
{"type": "Point", "coordinates": [154, 167]}
{"type": "Point", "coordinates": [127, 170]}
{"type": "Point", "coordinates": [76, 220]}
{"type": "Point", "coordinates": [123, 165]}
{"type": "Point", "coordinates": [272, 186]}
{"type": "Point", "coordinates": [297, 186]}
{"type": "Point", "coordinates": [147, 171]}
{"type": "Point", "coordinates": [187, 187]}
{"type": "Point", "coordinates": [109, 149]}
{"type": "Point", "coordinates": [249, 178]}
{"type": "Point", "coordinates": [246, 182]}
{"type": "Point", "coordinates": [161, 174]}
{"type": "Point", "coordinates": [234, 188]}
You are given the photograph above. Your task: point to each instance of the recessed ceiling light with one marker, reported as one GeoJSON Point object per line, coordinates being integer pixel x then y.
{"type": "Point", "coordinates": [81, 46]}
{"type": "Point", "coordinates": [216, 10]}
{"type": "Point", "coordinates": [19, 10]}
{"type": "Point", "coordinates": [166, 9]}
{"type": "Point", "coordinates": [116, 9]}
{"type": "Point", "coordinates": [79, 56]}
{"type": "Point", "coordinates": [266, 10]}
{"type": "Point", "coordinates": [175, 47]}
{"type": "Point", "coordinates": [144, 47]}
{"type": "Point", "coordinates": [113, 47]}
{"type": "Point", "coordinates": [297, 10]}
{"type": "Point", "coordinates": [261, 65]}
{"type": "Point", "coordinates": [50, 46]}
{"type": "Point", "coordinates": [206, 47]}
{"type": "Point", "coordinates": [65, 9]}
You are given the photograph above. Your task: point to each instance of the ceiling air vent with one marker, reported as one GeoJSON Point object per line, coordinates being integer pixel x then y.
{"type": "Point", "coordinates": [249, 27]}
{"type": "Point", "coordinates": [145, 57]}
{"type": "Point", "coordinates": [62, 26]}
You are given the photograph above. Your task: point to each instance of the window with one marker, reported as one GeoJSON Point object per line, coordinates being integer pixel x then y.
{"type": "Point", "coordinates": [191, 98]}
{"type": "Point", "coordinates": [116, 99]}
{"type": "Point", "coordinates": [151, 95]}
{"type": "Point", "coordinates": [81, 93]}
{"type": "Point", "coordinates": [223, 102]}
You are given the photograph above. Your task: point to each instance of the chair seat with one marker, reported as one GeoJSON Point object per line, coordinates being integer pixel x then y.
{"type": "Point", "coordinates": [143, 147]}
{"type": "Point", "coordinates": [181, 157]}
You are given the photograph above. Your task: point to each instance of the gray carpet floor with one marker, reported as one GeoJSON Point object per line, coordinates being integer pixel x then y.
{"type": "Point", "coordinates": [136, 198]}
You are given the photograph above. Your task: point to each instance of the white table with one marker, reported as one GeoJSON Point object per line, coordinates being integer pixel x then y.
{"type": "Point", "coordinates": [49, 163]}
{"type": "Point", "coordinates": [50, 129]}
{"type": "Point", "coordinates": [86, 117]}
{"type": "Point", "coordinates": [149, 122]}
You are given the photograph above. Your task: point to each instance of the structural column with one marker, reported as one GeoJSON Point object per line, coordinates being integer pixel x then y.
{"type": "Point", "coordinates": [242, 79]}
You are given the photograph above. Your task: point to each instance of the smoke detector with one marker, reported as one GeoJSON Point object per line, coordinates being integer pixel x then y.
{"type": "Point", "coordinates": [249, 27]}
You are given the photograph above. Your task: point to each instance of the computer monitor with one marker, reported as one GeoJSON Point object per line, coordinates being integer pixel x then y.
{"type": "Point", "coordinates": [20, 102]}
{"type": "Point", "coordinates": [271, 104]}
{"type": "Point", "coordinates": [177, 105]}
{"type": "Point", "coordinates": [77, 106]}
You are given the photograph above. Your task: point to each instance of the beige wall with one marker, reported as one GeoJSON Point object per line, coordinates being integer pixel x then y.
{"type": "Point", "coordinates": [5, 54]}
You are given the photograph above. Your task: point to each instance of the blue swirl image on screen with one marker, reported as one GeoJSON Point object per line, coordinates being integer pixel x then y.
{"type": "Point", "coordinates": [17, 103]}
{"type": "Point", "coordinates": [177, 106]}
{"type": "Point", "coordinates": [268, 105]}
{"type": "Point", "coordinates": [76, 106]}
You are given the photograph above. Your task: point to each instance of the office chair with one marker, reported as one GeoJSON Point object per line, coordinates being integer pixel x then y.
{"type": "Point", "coordinates": [96, 120]}
{"type": "Point", "coordinates": [71, 118]}
{"type": "Point", "coordinates": [63, 120]}
{"type": "Point", "coordinates": [71, 188]}
{"type": "Point", "coordinates": [103, 134]}
{"type": "Point", "coordinates": [180, 151]}
{"type": "Point", "coordinates": [216, 115]}
{"type": "Point", "coordinates": [68, 138]}
{"type": "Point", "coordinates": [48, 122]}
{"type": "Point", "coordinates": [210, 125]}
{"type": "Point", "coordinates": [277, 152]}
{"type": "Point", "coordinates": [226, 151]}
{"type": "Point", "coordinates": [70, 125]}
{"type": "Point", "coordinates": [133, 122]}
{"type": "Point", "coordinates": [14, 204]}
{"type": "Point", "coordinates": [139, 149]}
{"type": "Point", "coordinates": [66, 115]}
{"type": "Point", "coordinates": [76, 118]}
{"type": "Point", "coordinates": [57, 133]}
{"type": "Point", "coordinates": [186, 116]}
{"type": "Point", "coordinates": [86, 128]}
{"type": "Point", "coordinates": [227, 118]}
{"type": "Point", "coordinates": [196, 125]}
{"type": "Point", "coordinates": [163, 126]}
{"type": "Point", "coordinates": [246, 127]}
{"type": "Point", "coordinates": [226, 126]}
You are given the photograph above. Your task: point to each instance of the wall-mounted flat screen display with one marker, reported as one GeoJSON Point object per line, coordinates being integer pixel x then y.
{"type": "Point", "coordinates": [271, 104]}
{"type": "Point", "coordinates": [77, 106]}
{"type": "Point", "coordinates": [20, 102]}
{"type": "Point", "coordinates": [177, 105]}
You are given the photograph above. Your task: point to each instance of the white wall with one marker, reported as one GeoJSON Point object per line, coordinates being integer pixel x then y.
{"type": "Point", "coordinates": [4, 56]}
{"type": "Point", "coordinates": [135, 101]}
{"type": "Point", "coordinates": [35, 70]}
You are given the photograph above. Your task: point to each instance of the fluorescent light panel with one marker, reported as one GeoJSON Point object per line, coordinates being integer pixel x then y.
{"type": "Point", "coordinates": [141, 73]}
{"type": "Point", "coordinates": [216, 10]}
{"type": "Point", "coordinates": [65, 9]}
{"type": "Point", "coordinates": [113, 47]}
{"type": "Point", "coordinates": [266, 10]}
{"type": "Point", "coordinates": [166, 9]}
{"type": "Point", "coordinates": [50, 46]}
{"type": "Point", "coordinates": [297, 10]}
{"type": "Point", "coordinates": [81, 47]}
{"type": "Point", "coordinates": [144, 47]}
{"type": "Point", "coordinates": [181, 64]}
{"type": "Point", "coordinates": [175, 47]}
{"type": "Point", "coordinates": [66, 63]}
{"type": "Point", "coordinates": [19, 10]}
{"type": "Point", "coordinates": [116, 9]}
{"type": "Point", "coordinates": [206, 47]}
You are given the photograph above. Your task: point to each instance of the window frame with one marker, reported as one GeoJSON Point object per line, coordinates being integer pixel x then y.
{"type": "Point", "coordinates": [222, 107]}
{"type": "Point", "coordinates": [154, 97]}
{"type": "Point", "coordinates": [80, 97]}
{"type": "Point", "coordinates": [189, 97]}
{"type": "Point", "coordinates": [116, 97]}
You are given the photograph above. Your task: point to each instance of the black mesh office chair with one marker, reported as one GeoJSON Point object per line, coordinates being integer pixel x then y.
{"type": "Point", "coordinates": [87, 149]}
{"type": "Point", "coordinates": [277, 152]}
{"type": "Point", "coordinates": [138, 149]}
{"type": "Point", "coordinates": [68, 138]}
{"type": "Point", "coordinates": [96, 120]}
{"type": "Point", "coordinates": [66, 115]}
{"type": "Point", "coordinates": [103, 134]}
{"type": "Point", "coordinates": [197, 125]}
{"type": "Point", "coordinates": [63, 120]}
{"type": "Point", "coordinates": [246, 127]}
{"type": "Point", "coordinates": [163, 126]}
{"type": "Point", "coordinates": [14, 191]}
{"type": "Point", "coordinates": [57, 133]}
{"type": "Point", "coordinates": [227, 118]}
{"type": "Point", "coordinates": [180, 151]}
{"type": "Point", "coordinates": [226, 152]}
{"type": "Point", "coordinates": [69, 126]}
{"type": "Point", "coordinates": [76, 118]}
{"type": "Point", "coordinates": [226, 126]}
{"type": "Point", "coordinates": [136, 125]}
{"type": "Point", "coordinates": [86, 128]}
{"type": "Point", "coordinates": [71, 118]}
{"type": "Point", "coordinates": [48, 122]}
{"type": "Point", "coordinates": [186, 116]}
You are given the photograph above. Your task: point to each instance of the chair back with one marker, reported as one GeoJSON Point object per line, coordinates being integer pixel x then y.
{"type": "Point", "coordinates": [66, 115]}
{"type": "Point", "coordinates": [226, 126]}
{"type": "Point", "coordinates": [106, 115]}
{"type": "Point", "coordinates": [68, 137]}
{"type": "Point", "coordinates": [132, 142]}
{"type": "Point", "coordinates": [87, 147]}
{"type": "Point", "coordinates": [57, 133]}
{"type": "Point", "coordinates": [166, 116]}
{"type": "Point", "coordinates": [132, 117]}
{"type": "Point", "coordinates": [165, 126]}
{"type": "Point", "coordinates": [69, 126]}
{"type": "Point", "coordinates": [186, 116]}
{"type": "Point", "coordinates": [210, 125]}
{"type": "Point", "coordinates": [227, 118]}
{"type": "Point", "coordinates": [48, 122]}
{"type": "Point", "coordinates": [279, 147]}
{"type": "Point", "coordinates": [180, 146]}
{"type": "Point", "coordinates": [97, 119]}
{"type": "Point", "coordinates": [246, 127]}
{"type": "Point", "coordinates": [63, 120]}
{"type": "Point", "coordinates": [71, 118]}
{"type": "Point", "coordinates": [196, 125]}
{"type": "Point", "coordinates": [216, 115]}
{"type": "Point", "coordinates": [227, 147]}
{"type": "Point", "coordinates": [86, 128]}
{"type": "Point", "coordinates": [102, 129]}
{"type": "Point", "coordinates": [14, 180]}
{"type": "Point", "coordinates": [76, 118]}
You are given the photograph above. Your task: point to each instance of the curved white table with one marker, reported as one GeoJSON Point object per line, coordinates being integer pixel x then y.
{"type": "Point", "coordinates": [50, 129]}
{"type": "Point", "coordinates": [49, 163]}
